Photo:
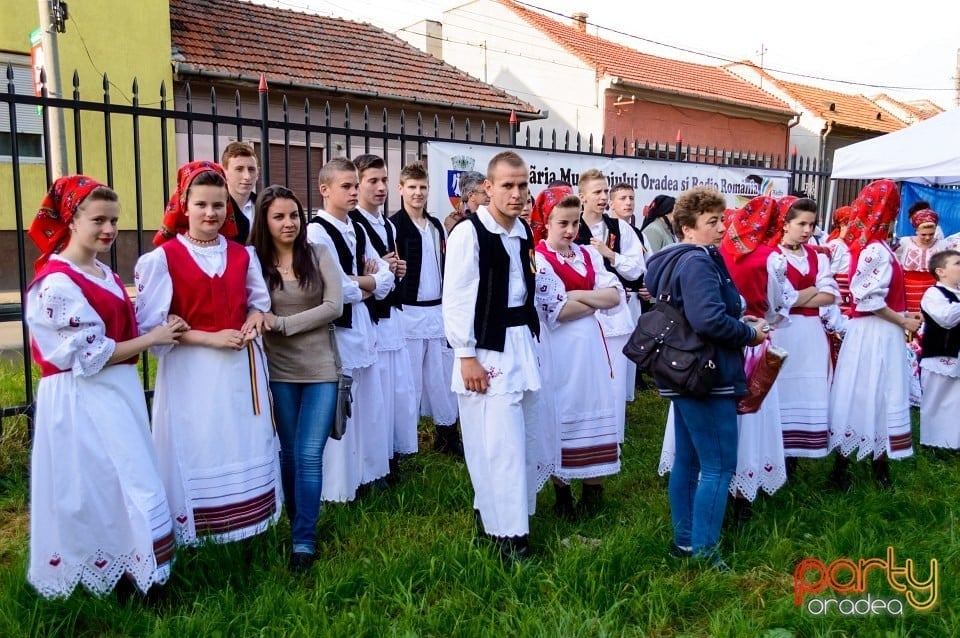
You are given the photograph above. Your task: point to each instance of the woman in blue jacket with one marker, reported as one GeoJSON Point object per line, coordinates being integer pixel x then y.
{"type": "Point", "coordinates": [706, 429]}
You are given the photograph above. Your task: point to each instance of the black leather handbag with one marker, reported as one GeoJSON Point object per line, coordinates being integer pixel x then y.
{"type": "Point", "coordinates": [665, 346]}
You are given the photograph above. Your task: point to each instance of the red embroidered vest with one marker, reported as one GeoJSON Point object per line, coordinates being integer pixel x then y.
{"type": "Point", "coordinates": [118, 316]}
{"type": "Point", "coordinates": [801, 281]}
{"type": "Point", "coordinates": [204, 302]}
{"type": "Point", "coordinates": [750, 277]}
{"type": "Point", "coordinates": [896, 298]}
{"type": "Point", "coordinates": [572, 280]}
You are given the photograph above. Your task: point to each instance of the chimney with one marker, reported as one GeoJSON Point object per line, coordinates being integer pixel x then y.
{"type": "Point", "coordinates": [580, 20]}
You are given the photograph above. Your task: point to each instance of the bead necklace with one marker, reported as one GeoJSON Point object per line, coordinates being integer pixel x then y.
{"type": "Point", "coordinates": [202, 242]}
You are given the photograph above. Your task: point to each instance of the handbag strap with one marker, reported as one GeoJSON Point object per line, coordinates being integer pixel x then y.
{"type": "Point", "coordinates": [336, 350]}
{"type": "Point", "coordinates": [668, 276]}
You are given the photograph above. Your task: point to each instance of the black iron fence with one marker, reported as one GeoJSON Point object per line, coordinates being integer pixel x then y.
{"type": "Point", "coordinates": [136, 145]}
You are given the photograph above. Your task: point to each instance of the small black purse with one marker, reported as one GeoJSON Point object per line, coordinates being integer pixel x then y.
{"type": "Point", "coordinates": [344, 393]}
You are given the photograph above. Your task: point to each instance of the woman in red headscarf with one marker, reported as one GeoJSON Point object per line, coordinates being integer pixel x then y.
{"type": "Point", "coordinates": [211, 411]}
{"type": "Point", "coordinates": [97, 505]}
{"type": "Point", "coordinates": [914, 255]}
{"type": "Point", "coordinates": [581, 426]}
{"type": "Point", "coordinates": [869, 401]}
{"type": "Point", "coordinates": [759, 273]}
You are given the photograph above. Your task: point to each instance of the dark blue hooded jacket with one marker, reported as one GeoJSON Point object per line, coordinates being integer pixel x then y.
{"type": "Point", "coordinates": [702, 287]}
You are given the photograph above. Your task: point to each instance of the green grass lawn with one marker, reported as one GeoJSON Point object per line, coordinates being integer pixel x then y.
{"type": "Point", "coordinates": [403, 562]}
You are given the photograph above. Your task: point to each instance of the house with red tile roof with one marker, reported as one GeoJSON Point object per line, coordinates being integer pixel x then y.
{"type": "Point", "coordinates": [225, 46]}
{"type": "Point", "coordinates": [829, 119]}
{"type": "Point", "coordinates": [586, 82]}
{"type": "Point", "coordinates": [911, 111]}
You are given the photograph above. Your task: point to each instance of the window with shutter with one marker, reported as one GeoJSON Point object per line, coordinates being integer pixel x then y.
{"type": "Point", "coordinates": [29, 121]}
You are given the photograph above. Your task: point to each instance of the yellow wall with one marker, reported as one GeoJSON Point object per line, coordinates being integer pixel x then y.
{"type": "Point", "coordinates": [125, 40]}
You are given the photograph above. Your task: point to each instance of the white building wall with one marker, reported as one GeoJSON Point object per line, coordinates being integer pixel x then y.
{"type": "Point", "coordinates": [492, 43]}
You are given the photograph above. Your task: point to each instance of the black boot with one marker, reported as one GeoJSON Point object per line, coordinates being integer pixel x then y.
{"type": "Point", "coordinates": [447, 440]}
{"type": "Point", "coordinates": [839, 478]}
{"type": "Point", "coordinates": [396, 474]}
{"type": "Point", "coordinates": [563, 506]}
{"type": "Point", "coordinates": [591, 499]}
{"type": "Point", "coordinates": [881, 473]}
{"type": "Point", "coordinates": [742, 512]}
{"type": "Point", "coordinates": [514, 549]}
{"type": "Point", "coordinates": [791, 466]}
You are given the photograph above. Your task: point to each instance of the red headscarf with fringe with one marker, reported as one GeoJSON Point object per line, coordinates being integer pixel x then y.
{"type": "Point", "coordinates": [50, 229]}
{"type": "Point", "coordinates": [875, 207]}
{"type": "Point", "coordinates": [542, 206]}
{"type": "Point", "coordinates": [750, 227]}
{"type": "Point", "coordinates": [175, 220]}
{"type": "Point", "coordinates": [841, 217]}
{"type": "Point", "coordinates": [784, 204]}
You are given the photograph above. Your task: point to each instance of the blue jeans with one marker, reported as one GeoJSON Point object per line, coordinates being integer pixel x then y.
{"type": "Point", "coordinates": [304, 414]}
{"type": "Point", "coordinates": [706, 458]}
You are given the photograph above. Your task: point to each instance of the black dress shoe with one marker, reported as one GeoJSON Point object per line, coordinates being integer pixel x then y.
{"type": "Point", "coordinates": [301, 562]}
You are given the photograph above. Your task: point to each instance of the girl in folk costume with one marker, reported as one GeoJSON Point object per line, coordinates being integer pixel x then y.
{"type": "Point", "coordinates": [97, 507]}
{"type": "Point", "coordinates": [572, 285]}
{"type": "Point", "coordinates": [759, 274]}
{"type": "Point", "coordinates": [211, 412]}
{"type": "Point", "coordinates": [869, 402]}
{"type": "Point", "coordinates": [914, 255]}
{"type": "Point", "coordinates": [804, 380]}
{"type": "Point", "coordinates": [941, 354]}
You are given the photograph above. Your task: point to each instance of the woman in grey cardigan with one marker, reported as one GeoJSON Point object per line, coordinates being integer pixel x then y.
{"type": "Point", "coordinates": [306, 296]}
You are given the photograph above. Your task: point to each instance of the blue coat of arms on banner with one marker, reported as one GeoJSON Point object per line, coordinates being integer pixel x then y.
{"type": "Point", "coordinates": [460, 164]}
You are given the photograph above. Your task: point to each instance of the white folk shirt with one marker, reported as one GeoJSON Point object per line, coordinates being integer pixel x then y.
{"type": "Point", "coordinates": [947, 315]}
{"type": "Point", "coordinates": [516, 369]}
{"type": "Point", "coordinates": [390, 330]}
{"type": "Point", "coordinates": [358, 344]}
{"type": "Point", "coordinates": [426, 322]}
{"type": "Point", "coordinates": [629, 264]}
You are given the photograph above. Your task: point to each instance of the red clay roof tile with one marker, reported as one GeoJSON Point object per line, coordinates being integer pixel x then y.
{"type": "Point", "coordinates": [335, 55]}
{"type": "Point", "coordinates": [649, 71]}
{"type": "Point", "coordinates": [855, 111]}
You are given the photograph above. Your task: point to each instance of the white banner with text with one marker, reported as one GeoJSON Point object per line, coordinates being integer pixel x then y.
{"type": "Point", "coordinates": [649, 178]}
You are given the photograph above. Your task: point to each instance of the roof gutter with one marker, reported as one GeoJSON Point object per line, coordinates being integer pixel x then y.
{"type": "Point", "coordinates": [181, 69]}
{"type": "Point", "coordinates": [823, 142]}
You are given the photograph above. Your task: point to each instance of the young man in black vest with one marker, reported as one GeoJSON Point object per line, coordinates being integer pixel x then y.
{"type": "Point", "coordinates": [622, 254]}
{"type": "Point", "coordinates": [490, 322]}
{"type": "Point", "coordinates": [422, 240]}
{"type": "Point", "coordinates": [362, 455]}
{"type": "Point", "coordinates": [393, 363]}
{"type": "Point", "coordinates": [242, 169]}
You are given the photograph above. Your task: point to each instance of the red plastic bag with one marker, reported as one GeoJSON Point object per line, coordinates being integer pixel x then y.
{"type": "Point", "coordinates": [762, 366]}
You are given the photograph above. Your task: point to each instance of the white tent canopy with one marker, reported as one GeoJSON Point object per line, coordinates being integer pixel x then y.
{"type": "Point", "coordinates": [927, 152]}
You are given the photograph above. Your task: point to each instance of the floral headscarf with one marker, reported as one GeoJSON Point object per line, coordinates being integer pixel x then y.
{"type": "Point", "coordinates": [50, 229]}
{"type": "Point", "coordinates": [925, 216]}
{"type": "Point", "coordinates": [175, 215]}
{"type": "Point", "coordinates": [750, 227]}
{"type": "Point", "coordinates": [875, 207]}
{"type": "Point", "coordinates": [542, 207]}
{"type": "Point", "coordinates": [784, 204]}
